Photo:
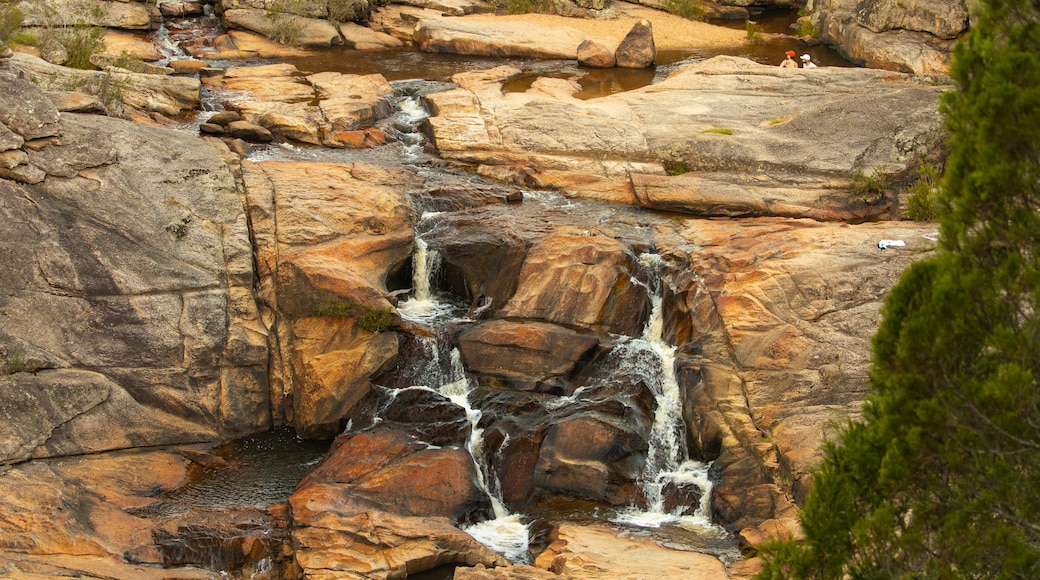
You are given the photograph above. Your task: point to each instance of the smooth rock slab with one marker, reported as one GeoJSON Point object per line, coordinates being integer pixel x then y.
{"type": "Point", "coordinates": [310, 32]}
{"type": "Point", "coordinates": [585, 552]}
{"type": "Point", "coordinates": [504, 39]}
{"type": "Point", "coordinates": [729, 122]}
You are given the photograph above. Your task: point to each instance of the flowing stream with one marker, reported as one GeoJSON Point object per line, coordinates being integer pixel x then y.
{"type": "Point", "coordinates": [668, 473]}
{"type": "Point", "coordinates": [668, 467]}
{"type": "Point", "coordinates": [676, 489]}
{"type": "Point", "coordinates": [506, 533]}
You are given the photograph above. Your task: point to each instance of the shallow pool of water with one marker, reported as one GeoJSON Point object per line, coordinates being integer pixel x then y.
{"type": "Point", "coordinates": [261, 470]}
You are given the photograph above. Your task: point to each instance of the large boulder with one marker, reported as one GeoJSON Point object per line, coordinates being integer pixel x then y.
{"type": "Point", "coordinates": [383, 504]}
{"type": "Point", "coordinates": [387, 470]}
{"type": "Point", "coordinates": [290, 28]}
{"type": "Point", "coordinates": [582, 281]}
{"type": "Point", "coordinates": [912, 36]}
{"type": "Point", "coordinates": [104, 13]}
{"type": "Point", "coordinates": [637, 49]}
{"type": "Point", "coordinates": [945, 20]}
{"type": "Point", "coordinates": [129, 317]}
{"type": "Point", "coordinates": [525, 355]}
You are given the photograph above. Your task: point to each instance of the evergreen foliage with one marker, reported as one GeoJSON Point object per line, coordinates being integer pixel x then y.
{"type": "Point", "coordinates": [941, 478]}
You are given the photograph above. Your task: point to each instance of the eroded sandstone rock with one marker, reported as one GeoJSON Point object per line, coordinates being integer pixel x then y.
{"type": "Point", "coordinates": [137, 310]}
{"type": "Point", "coordinates": [328, 237]}
{"type": "Point", "coordinates": [914, 37]}
{"type": "Point", "coordinates": [734, 126]}
{"type": "Point", "coordinates": [304, 31]}
{"type": "Point", "coordinates": [585, 551]}
{"type": "Point", "coordinates": [166, 94]}
{"type": "Point", "coordinates": [506, 39]}
{"type": "Point", "coordinates": [581, 280]}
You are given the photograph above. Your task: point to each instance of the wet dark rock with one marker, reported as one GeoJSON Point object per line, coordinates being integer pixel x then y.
{"type": "Point", "coordinates": [224, 118]}
{"type": "Point", "coordinates": [480, 265]}
{"type": "Point", "coordinates": [211, 128]}
{"type": "Point", "coordinates": [429, 416]}
{"type": "Point", "coordinates": [526, 355]}
{"type": "Point", "coordinates": [249, 132]}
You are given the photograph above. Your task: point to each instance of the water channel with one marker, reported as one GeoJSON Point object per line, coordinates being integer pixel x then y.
{"type": "Point", "coordinates": [267, 468]}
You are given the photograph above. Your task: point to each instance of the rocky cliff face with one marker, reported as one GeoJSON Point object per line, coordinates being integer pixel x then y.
{"type": "Point", "coordinates": [127, 290]}
{"type": "Point", "coordinates": [158, 290]}
{"type": "Point", "coordinates": [906, 36]}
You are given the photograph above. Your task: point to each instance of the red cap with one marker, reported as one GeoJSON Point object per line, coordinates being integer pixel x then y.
{"type": "Point", "coordinates": [790, 53]}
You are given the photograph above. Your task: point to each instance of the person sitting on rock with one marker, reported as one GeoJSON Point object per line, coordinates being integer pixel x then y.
{"type": "Point", "coordinates": [789, 61]}
{"type": "Point", "coordinates": [807, 61]}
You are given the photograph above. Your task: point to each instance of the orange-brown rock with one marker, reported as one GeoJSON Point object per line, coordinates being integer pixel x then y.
{"type": "Point", "coordinates": [328, 237]}
{"type": "Point", "coordinates": [383, 545]}
{"type": "Point", "coordinates": [580, 280]}
{"type": "Point", "coordinates": [385, 469]}
{"type": "Point", "coordinates": [597, 551]}
{"type": "Point", "coordinates": [780, 317]}
{"type": "Point", "coordinates": [383, 503]}
{"type": "Point", "coordinates": [525, 355]}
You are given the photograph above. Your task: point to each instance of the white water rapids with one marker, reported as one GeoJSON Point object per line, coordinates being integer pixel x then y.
{"type": "Point", "coordinates": [506, 534]}
{"type": "Point", "coordinates": [667, 462]}
{"type": "Point", "coordinates": [648, 356]}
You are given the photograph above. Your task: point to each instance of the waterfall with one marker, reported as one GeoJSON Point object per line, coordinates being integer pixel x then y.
{"type": "Point", "coordinates": [667, 464]}
{"type": "Point", "coordinates": [506, 533]}
{"type": "Point", "coordinates": [405, 127]}
{"type": "Point", "coordinates": [424, 305]}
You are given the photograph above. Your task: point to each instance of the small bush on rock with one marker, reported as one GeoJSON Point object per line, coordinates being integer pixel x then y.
{"type": "Point", "coordinates": [287, 26]}
{"type": "Point", "coordinates": [370, 319]}
{"type": "Point", "coordinates": [923, 202]}
{"type": "Point", "coordinates": [866, 186]}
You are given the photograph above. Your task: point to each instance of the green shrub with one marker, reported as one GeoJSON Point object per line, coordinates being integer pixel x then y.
{"type": "Point", "coordinates": [719, 131]}
{"type": "Point", "coordinates": [70, 27]}
{"type": "Point", "coordinates": [25, 37]}
{"type": "Point", "coordinates": [346, 11]}
{"type": "Point", "coordinates": [866, 186]}
{"type": "Point", "coordinates": [10, 23]}
{"type": "Point", "coordinates": [376, 319]}
{"type": "Point", "coordinates": [524, 6]}
{"type": "Point", "coordinates": [923, 202]}
{"type": "Point", "coordinates": [12, 362]}
{"type": "Point", "coordinates": [675, 166]}
{"type": "Point", "coordinates": [688, 9]}
{"type": "Point", "coordinates": [287, 26]}
{"type": "Point", "coordinates": [754, 32]}
{"type": "Point", "coordinates": [807, 28]}
{"type": "Point", "coordinates": [370, 319]}
{"type": "Point", "coordinates": [82, 41]}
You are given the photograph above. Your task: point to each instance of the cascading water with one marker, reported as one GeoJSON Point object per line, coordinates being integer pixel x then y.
{"type": "Point", "coordinates": [667, 464]}
{"type": "Point", "coordinates": [507, 534]}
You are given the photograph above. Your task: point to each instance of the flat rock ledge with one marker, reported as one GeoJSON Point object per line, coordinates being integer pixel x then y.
{"type": "Point", "coordinates": [724, 137]}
